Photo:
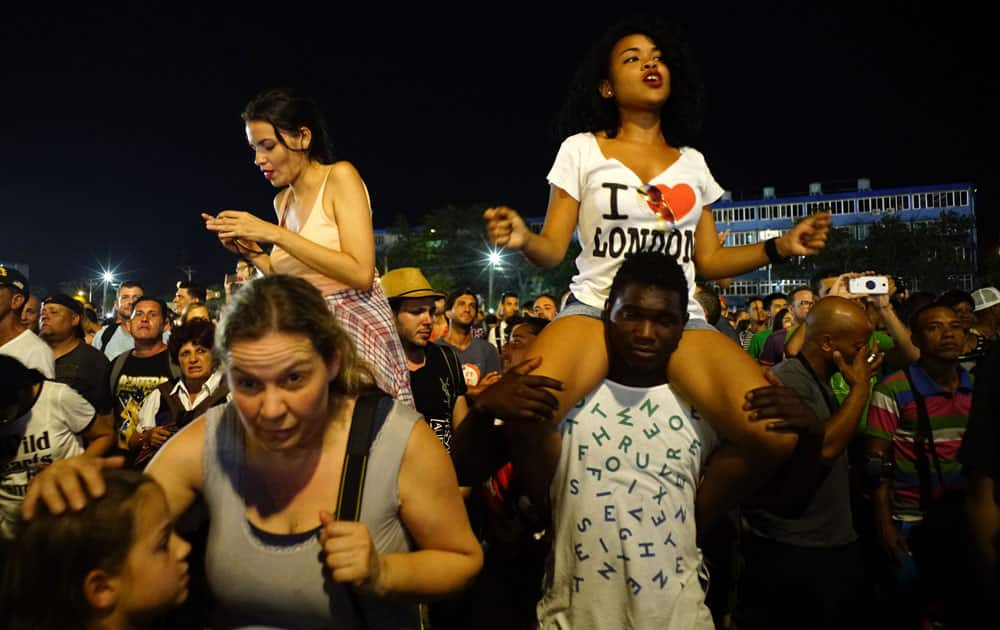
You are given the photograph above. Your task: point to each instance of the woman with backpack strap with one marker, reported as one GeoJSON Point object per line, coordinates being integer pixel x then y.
{"type": "Point", "coordinates": [269, 468]}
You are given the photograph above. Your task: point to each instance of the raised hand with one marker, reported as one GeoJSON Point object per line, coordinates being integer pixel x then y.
{"type": "Point", "coordinates": [807, 237]}
{"type": "Point", "coordinates": [861, 369]}
{"type": "Point", "coordinates": [505, 227]}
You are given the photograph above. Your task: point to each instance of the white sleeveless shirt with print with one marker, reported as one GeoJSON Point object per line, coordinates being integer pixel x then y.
{"type": "Point", "coordinates": [625, 552]}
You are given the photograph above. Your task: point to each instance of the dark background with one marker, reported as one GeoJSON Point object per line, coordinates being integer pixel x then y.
{"type": "Point", "coordinates": [121, 123]}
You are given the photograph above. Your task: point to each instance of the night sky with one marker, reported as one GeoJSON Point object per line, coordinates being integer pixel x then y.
{"type": "Point", "coordinates": [122, 124]}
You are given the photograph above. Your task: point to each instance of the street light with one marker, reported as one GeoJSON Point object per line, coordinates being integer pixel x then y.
{"type": "Point", "coordinates": [107, 277]}
{"type": "Point", "coordinates": [493, 259]}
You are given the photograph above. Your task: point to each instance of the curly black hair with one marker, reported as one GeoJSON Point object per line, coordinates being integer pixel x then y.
{"type": "Point", "coordinates": [680, 118]}
{"type": "Point", "coordinates": [650, 269]}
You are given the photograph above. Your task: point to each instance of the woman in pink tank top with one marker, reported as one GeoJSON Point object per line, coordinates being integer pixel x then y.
{"type": "Point", "coordinates": [324, 231]}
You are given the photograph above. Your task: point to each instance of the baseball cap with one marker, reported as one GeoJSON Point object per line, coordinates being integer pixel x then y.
{"type": "Point", "coordinates": [74, 305]}
{"type": "Point", "coordinates": [985, 298]}
{"type": "Point", "coordinates": [15, 280]}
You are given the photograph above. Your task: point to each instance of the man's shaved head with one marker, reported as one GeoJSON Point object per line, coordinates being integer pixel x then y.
{"type": "Point", "coordinates": [837, 324]}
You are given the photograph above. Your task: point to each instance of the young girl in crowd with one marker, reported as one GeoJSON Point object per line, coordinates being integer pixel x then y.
{"type": "Point", "coordinates": [627, 179]}
{"type": "Point", "coordinates": [115, 564]}
{"type": "Point", "coordinates": [324, 232]}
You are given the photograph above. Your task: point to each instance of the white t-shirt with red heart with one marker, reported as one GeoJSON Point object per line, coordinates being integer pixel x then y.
{"type": "Point", "coordinates": [621, 214]}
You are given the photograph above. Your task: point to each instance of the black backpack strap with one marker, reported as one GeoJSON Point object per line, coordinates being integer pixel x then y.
{"type": "Point", "coordinates": [370, 412]}
{"type": "Point", "coordinates": [364, 428]}
{"type": "Point", "coordinates": [116, 370]}
{"type": "Point", "coordinates": [108, 333]}
{"type": "Point", "coordinates": [923, 440]}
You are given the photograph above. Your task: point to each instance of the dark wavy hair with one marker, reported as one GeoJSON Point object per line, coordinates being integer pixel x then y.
{"type": "Point", "coordinates": [954, 297]}
{"type": "Point", "coordinates": [780, 315]}
{"type": "Point", "coordinates": [14, 377]}
{"type": "Point", "coordinates": [52, 554]}
{"type": "Point", "coordinates": [457, 293]}
{"type": "Point", "coordinates": [289, 111]}
{"type": "Point", "coordinates": [680, 118]}
{"type": "Point", "coordinates": [200, 332]}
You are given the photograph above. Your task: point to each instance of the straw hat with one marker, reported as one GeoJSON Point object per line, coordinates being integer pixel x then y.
{"type": "Point", "coordinates": [407, 282]}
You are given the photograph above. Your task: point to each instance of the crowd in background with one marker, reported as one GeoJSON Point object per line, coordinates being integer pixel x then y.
{"type": "Point", "coordinates": [339, 448]}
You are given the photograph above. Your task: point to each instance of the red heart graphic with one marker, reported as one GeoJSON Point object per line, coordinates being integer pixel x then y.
{"type": "Point", "coordinates": [673, 204]}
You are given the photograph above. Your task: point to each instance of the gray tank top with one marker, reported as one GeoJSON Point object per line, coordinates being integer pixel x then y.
{"type": "Point", "coordinates": [259, 585]}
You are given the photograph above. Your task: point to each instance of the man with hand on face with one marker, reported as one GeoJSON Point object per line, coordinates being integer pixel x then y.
{"type": "Point", "coordinates": [811, 553]}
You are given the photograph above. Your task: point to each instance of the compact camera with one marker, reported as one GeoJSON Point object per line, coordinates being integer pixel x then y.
{"type": "Point", "coordinates": [869, 285]}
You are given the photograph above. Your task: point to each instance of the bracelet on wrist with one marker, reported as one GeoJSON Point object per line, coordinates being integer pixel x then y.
{"type": "Point", "coordinates": [771, 249]}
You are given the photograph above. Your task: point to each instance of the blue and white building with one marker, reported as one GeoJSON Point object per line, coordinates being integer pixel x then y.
{"type": "Point", "coordinates": [751, 221]}
{"type": "Point", "coordinates": [759, 219]}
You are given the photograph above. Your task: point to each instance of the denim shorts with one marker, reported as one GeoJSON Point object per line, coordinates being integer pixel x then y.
{"type": "Point", "coordinates": [574, 306]}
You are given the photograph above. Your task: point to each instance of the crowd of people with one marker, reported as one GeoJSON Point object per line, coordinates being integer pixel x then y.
{"type": "Point", "coordinates": [337, 448]}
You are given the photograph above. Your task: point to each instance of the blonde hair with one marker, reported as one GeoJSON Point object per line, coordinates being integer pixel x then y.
{"type": "Point", "coordinates": [287, 304]}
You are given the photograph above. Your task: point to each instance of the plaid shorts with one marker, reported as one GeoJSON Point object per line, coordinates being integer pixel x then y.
{"type": "Point", "coordinates": [367, 318]}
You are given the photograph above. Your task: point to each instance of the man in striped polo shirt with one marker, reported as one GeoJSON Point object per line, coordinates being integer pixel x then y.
{"type": "Point", "coordinates": [918, 463]}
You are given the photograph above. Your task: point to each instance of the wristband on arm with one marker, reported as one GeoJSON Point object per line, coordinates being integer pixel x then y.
{"type": "Point", "coordinates": [771, 249]}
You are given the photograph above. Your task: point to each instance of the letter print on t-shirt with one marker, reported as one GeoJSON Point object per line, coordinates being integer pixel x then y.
{"type": "Point", "coordinates": [624, 505]}
{"type": "Point", "coordinates": [621, 214]}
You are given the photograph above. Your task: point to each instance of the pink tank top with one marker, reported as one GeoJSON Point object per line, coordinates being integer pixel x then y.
{"type": "Point", "coordinates": [318, 227]}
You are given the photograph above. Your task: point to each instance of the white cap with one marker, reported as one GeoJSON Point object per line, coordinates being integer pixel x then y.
{"type": "Point", "coordinates": [985, 298]}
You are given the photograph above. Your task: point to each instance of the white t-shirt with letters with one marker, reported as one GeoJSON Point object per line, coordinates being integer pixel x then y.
{"type": "Point", "coordinates": [624, 553]}
{"type": "Point", "coordinates": [50, 431]}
